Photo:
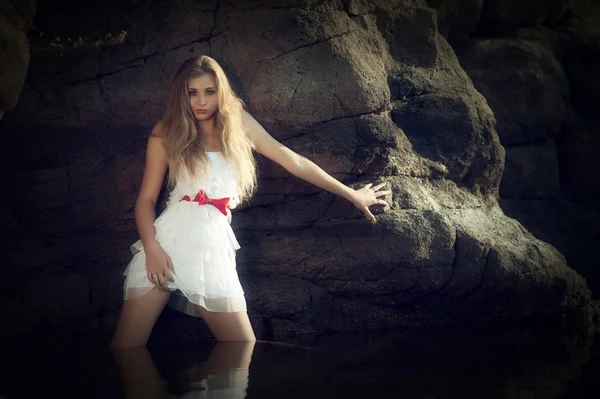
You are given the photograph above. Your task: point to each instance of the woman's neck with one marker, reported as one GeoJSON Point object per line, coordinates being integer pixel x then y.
{"type": "Point", "coordinates": [207, 128]}
{"type": "Point", "coordinates": [208, 132]}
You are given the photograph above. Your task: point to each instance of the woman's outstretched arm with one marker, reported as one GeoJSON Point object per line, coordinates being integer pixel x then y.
{"type": "Point", "coordinates": [307, 170]}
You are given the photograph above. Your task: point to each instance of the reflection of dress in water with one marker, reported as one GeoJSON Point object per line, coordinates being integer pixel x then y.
{"type": "Point", "coordinates": [198, 238]}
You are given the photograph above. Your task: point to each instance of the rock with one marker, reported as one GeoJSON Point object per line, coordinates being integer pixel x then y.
{"type": "Point", "coordinates": [524, 84]}
{"type": "Point", "coordinates": [579, 145]}
{"type": "Point", "coordinates": [428, 122]}
{"type": "Point", "coordinates": [571, 226]}
{"type": "Point", "coordinates": [58, 298]}
{"type": "Point", "coordinates": [587, 15]}
{"type": "Point", "coordinates": [505, 16]}
{"type": "Point", "coordinates": [531, 171]}
{"type": "Point", "coordinates": [15, 20]}
{"type": "Point", "coordinates": [411, 33]}
{"type": "Point", "coordinates": [368, 90]}
{"type": "Point", "coordinates": [536, 65]}
{"type": "Point", "coordinates": [457, 18]}
{"type": "Point", "coordinates": [325, 76]}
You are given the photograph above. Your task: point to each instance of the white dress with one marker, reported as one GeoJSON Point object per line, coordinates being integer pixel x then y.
{"type": "Point", "coordinates": [200, 242]}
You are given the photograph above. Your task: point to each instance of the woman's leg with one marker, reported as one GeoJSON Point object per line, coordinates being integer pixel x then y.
{"type": "Point", "coordinates": [228, 326]}
{"type": "Point", "coordinates": [137, 319]}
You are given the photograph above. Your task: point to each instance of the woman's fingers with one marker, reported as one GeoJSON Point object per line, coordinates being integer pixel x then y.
{"type": "Point", "coordinates": [377, 187]}
{"type": "Point", "coordinates": [160, 279]}
{"type": "Point", "coordinates": [369, 215]}
{"type": "Point", "coordinates": [162, 283]}
{"type": "Point", "coordinates": [159, 270]}
{"type": "Point", "coordinates": [170, 266]}
{"type": "Point", "coordinates": [153, 277]}
{"type": "Point", "coordinates": [369, 197]}
{"type": "Point", "coordinates": [382, 193]}
{"type": "Point", "coordinates": [168, 275]}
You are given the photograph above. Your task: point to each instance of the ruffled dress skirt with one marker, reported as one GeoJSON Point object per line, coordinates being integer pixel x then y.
{"type": "Point", "coordinates": [202, 247]}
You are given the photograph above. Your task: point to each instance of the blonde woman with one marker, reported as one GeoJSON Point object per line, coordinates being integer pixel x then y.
{"type": "Point", "coordinates": [186, 256]}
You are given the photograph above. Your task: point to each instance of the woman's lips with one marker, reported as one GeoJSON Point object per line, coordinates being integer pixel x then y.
{"type": "Point", "coordinates": [200, 111]}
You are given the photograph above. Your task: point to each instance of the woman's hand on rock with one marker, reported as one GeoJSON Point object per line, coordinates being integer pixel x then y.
{"type": "Point", "coordinates": [368, 196]}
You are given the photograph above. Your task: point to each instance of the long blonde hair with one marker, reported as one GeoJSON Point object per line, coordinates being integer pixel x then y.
{"type": "Point", "coordinates": [183, 144]}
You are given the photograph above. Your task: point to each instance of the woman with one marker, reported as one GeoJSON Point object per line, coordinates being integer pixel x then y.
{"type": "Point", "coordinates": [205, 139]}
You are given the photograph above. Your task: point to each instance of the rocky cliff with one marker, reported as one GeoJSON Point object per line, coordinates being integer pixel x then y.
{"type": "Point", "coordinates": [370, 90]}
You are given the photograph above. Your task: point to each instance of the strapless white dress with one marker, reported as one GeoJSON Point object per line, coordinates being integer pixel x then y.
{"type": "Point", "coordinates": [200, 242]}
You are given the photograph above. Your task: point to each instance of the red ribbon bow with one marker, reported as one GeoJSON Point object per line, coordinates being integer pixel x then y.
{"type": "Point", "coordinates": [222, 204]}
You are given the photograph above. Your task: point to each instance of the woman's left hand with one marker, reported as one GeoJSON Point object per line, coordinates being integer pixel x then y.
{"type": "Point", "coordinates": [367, 196]}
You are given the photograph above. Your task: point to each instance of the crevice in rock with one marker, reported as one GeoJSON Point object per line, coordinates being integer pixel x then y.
{"type": "Point", "coordinates": [454, 266]}
{"type": "Point", "coordinates": [268, 7]}
{"type": "Point", "coordinates": [482, 279]}
{"type": "Point", "coordinates": [215, 11]}
{"type": "Point", "coordinates": [311, 128]}
{"type": "Point", "coordinates": [322, 269]}
{"type": "Point", "coordinates": [104, 95]}
{"type": "Point", "coordinates": [98, 77]}
{"type": "Point", "coordinates": [295, 91]}
{"type": "Point", "coordinates": [306, 45]}
{"type": "Point", "coordinates": [141, 59]}
{"type": "Point", "coordinates": [337, 72]}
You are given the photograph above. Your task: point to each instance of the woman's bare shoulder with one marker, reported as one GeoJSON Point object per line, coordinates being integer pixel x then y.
{"type": "Point", "coordinates": [159, 130]}
{"type": "Point", "coordinates": [156, 144]}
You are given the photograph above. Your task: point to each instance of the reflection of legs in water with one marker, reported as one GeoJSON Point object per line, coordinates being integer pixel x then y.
{"type": "Point", "coordinates": [225, 370]}
{"type": "Point", "coordinates": [228, 326]}
{"type": "Point", "coordinates": [138, 373]}
{"type": "Point", "coordinates": [229, 356]}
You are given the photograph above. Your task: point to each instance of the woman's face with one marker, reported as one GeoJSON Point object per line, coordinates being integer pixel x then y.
{"type": "Point", "coordinates": [202, 92]}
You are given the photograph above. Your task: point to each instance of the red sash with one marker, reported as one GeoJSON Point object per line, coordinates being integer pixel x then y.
{"type": "Point", "coordinates": [222, 204]}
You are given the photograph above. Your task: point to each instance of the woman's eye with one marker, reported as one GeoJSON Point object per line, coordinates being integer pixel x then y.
{"type": "Point", "coordinates": [210, 92]}
{"type": "Point", "coordinates": [192, 93]}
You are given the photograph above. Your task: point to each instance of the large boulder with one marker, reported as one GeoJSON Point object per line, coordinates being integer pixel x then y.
{"type": "Point", "coordinates": [536, 63]}
{"type": "Point", "coordinates": [344, 86]}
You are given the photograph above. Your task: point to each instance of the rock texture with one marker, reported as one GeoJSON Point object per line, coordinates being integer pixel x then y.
{"type": "Point", "coordinates": [537, 64]}
{"type": "Point", "coordinates": [15, 20]}
{"type": "Point", "coordinates": [369, 90]}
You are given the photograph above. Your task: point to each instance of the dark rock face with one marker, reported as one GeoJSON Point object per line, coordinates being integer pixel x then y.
{"type": "Point", "coordinates": [368, 90]}
{"type": "Point", "coordinates": [537, 64]}
{"type": "Point", "coordinates": [15, 21]}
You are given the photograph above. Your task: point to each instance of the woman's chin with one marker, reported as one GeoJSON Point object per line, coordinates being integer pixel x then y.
{"type": "Point", "coordinates": [203, 117]}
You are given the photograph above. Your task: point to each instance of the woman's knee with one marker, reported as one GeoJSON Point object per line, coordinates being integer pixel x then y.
{"type": "Point", "coordinates": [137, 319]}
{"type": "Point", "coordinates": [229, 326]}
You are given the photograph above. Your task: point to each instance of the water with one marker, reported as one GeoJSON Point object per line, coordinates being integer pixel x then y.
{"type": "Point", "coordinates": [483, 363]}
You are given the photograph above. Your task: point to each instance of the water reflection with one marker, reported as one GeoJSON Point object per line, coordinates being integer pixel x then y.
{"type": "Point", "coordinates": [431, 363]}
{"type": "Point", "coordinates": [224, 374]}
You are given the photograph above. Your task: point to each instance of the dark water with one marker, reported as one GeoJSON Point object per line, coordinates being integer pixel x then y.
{"type": "Point", "coordinates": [508, 363]}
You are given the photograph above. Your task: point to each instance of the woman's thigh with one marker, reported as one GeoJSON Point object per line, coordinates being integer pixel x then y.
{"type": "Point", "coordinates": [228, 326]}
{"type": "Point", "coordinates": [137, 319]}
